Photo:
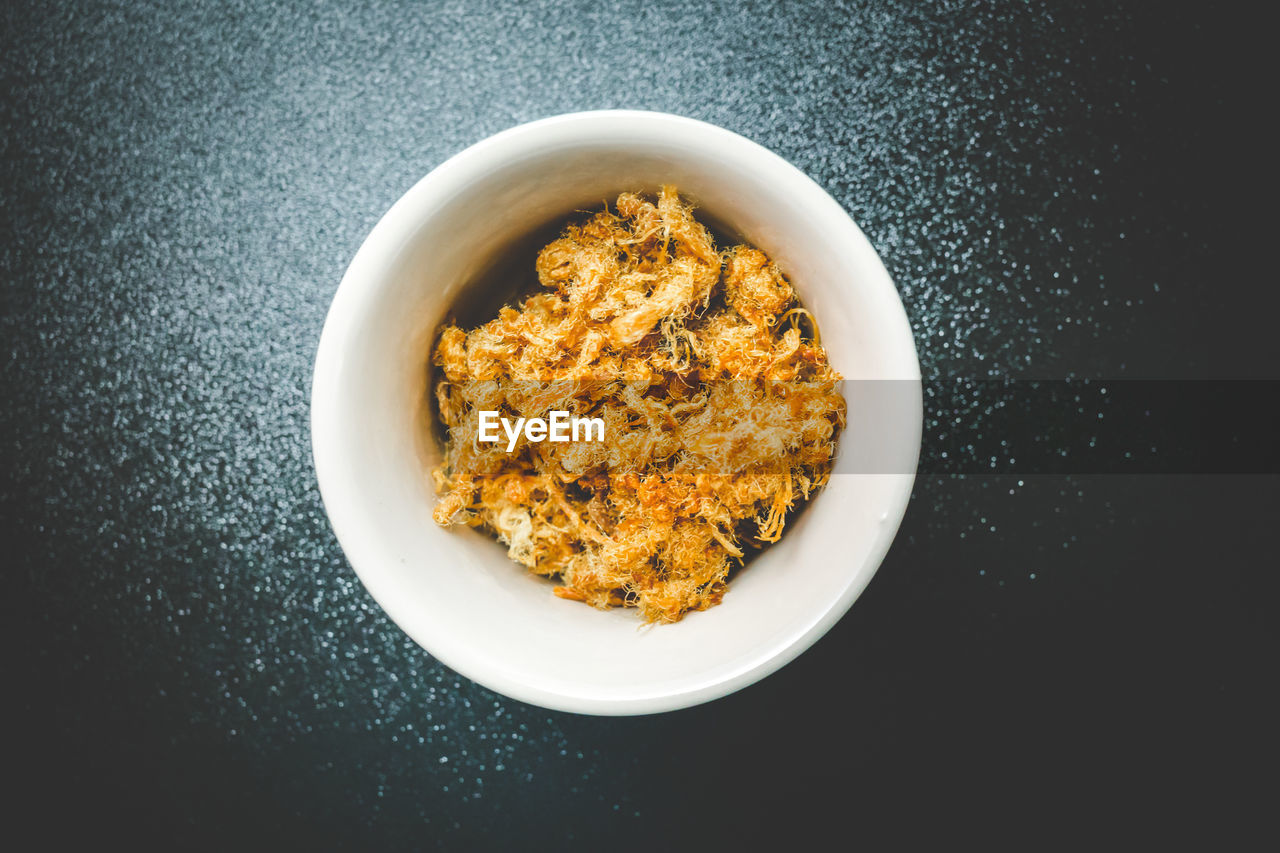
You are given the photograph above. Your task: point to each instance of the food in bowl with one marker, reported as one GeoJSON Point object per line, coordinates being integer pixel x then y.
{"type": "Point", "coordinates": [709, 412]}
{"type": "Point", "coordinates": [441, 252]}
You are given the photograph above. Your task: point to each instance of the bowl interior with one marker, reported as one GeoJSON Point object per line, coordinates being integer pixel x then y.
{"type": "Point", "coordinates": [454, 590]}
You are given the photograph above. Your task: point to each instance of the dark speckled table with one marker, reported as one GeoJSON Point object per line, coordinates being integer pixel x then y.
{"type": "Point", "coordinates": [1059, 190]}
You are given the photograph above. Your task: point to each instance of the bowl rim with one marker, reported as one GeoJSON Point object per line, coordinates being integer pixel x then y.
{"type": "Point", "coordinates": [399, 224]}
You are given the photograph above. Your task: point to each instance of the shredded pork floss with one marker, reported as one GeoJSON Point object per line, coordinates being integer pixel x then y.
{"type": "Point", "coordinates": [721, 412]}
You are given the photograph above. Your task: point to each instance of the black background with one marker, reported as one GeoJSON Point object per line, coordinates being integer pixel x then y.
{"type": "Point", "coordinates": [1060, 190]}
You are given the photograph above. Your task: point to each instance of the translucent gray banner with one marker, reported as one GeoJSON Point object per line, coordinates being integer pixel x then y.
{"type": "Point", "coordinates": [970, 427]}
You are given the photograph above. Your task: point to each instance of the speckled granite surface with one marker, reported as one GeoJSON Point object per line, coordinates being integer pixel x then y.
{"type": "Point", "coordinates": [1059, 190]}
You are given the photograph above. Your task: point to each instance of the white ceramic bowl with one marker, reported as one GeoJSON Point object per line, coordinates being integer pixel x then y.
{"type": "Point", "coordinates": [454, 590]}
